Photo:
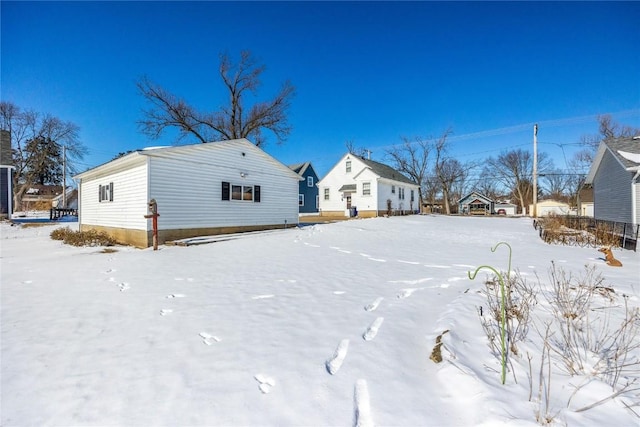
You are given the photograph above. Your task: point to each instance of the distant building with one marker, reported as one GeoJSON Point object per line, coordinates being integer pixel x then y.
{"type": "Point", "coordinates": [307, 188]}
{"type": "Point", "coordinates": [366, 188]}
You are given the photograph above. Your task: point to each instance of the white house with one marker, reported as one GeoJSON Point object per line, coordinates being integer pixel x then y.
{"type": "Point", "coordinates": [551, 207]}
{"type": "Point", "coordinates": [366, 188]}
{"type": "Point", "coordinates": [201, 189]}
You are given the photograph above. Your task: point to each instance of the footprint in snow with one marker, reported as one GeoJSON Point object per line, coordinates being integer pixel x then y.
{"type": "Point", "coordinates": [406, 293]}
{"type": "Point", "coordinates": [372, 330]}
{"type": "Point", "coordinates": [165, 311]}
{"type": "Point", "coordinates": [266, 383]}
{"type": "Point", "coordinates": [175, 296]}
{"type": "Point", "coordinates": [335, 362]}
{"type": "Point", "coordinates": [124, 287]}
{"type": "Point", "coordinates": [209, 339]}
{"type": "Point", "coordinates": [374, 305]}
{"type": "Point", "coordinates": [362, 405]}
{"type": "Point", "coordinates": [111, 270]}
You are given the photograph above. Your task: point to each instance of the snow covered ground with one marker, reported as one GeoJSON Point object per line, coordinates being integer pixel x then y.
{"type": "Point", "coordinates": [324, 325]}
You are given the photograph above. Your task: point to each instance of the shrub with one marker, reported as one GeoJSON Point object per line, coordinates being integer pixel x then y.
{"type": "Point", "coordinates": [82, 238]}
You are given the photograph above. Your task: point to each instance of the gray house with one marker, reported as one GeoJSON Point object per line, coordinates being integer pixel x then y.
{"type": "Point", "coordinates": [615, 178]}
{"type": "Point", "coordinates": [476, 203]}
{"type": "Point", "coordinates": [6, 175]}
{"type": "Point", "coordinates": [307, 189]}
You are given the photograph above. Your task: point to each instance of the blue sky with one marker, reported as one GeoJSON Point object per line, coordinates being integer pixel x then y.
{"type": "Point", "coordinates": [367, 72]}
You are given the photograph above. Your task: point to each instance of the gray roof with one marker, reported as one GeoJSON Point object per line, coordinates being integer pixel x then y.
{"type": "Point", "coordinates": [629, 145]}
{"type": "Point", "coordinates": [384, 171]}
{"type": "Point", "coordinates": [300, 168]}
{"type": "Point", "coordinates": [348, 188]}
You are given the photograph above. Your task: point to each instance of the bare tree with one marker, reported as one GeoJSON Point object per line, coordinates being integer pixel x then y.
{"type": "Point", "coordinates": [557, 184]}
{"type": "Point", "coordinates": [448, 171]}
{"type": "Point", "coordinates": [607, 129]}
{"type": "Point", "coordinates": [514, 170]}
{"type": "Point", "coordinates": [232, 121]}
{"type": "Point", "coordinates": [36, 145]}
{"type": "Point", "coordinates": [487, 184]}
{"type": "Point", "coordinates": [412, 159]}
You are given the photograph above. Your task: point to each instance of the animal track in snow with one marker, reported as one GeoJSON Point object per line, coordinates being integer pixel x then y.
{"type": "Point", "coordinates": [374, 305]}
{"type": "Point", "coordinates": [175, 296]}
{"type": "Point", "coordinates": [409, 262]}
{"type": "Point", "coordinates": [406, 293]}
{"type": "Point", "coordinates": [209, 339]}
{"type": "Point", "coordinates": [266, 383]}
{"type": "Point", "coordinates": [111, 270]}
{"type": "Point", "coordinates": [262, 296]}
{"type": "Point", "coordinates": [165, 311]}
{"type": "Point", "coordinates": [372, 330]}
{"type": "Point", "coordinates": [335, 362]}
{"type": "Point", "coordinates": [362, 405]}
{"type": "Point", "coordinates": [124, 287]}
{"type": "Point", "coordinates": [412, 282]}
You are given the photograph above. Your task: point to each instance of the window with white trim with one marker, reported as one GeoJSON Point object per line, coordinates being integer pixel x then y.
{"type": "Point", "coordinates": [366, 188]}
{"type": "Point", "coordinates": [326, 194]}
{"type": "Point", "coordinates": [348, 166]}
{"type": "Point", "coordinates": [309, 181]}
{"type": "Point", "coordinates": [105, 193]}
{"type": "Point", "coordinates": [300, 199]}
{"type": "Point", "coordinates": [245, 193]}
{"type": "Point", "coordinates": [393, 189]}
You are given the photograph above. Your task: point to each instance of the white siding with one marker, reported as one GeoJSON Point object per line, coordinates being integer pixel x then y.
{"type": "Point", "coordinates": [360, 173]}
{"type": "Point", "coordinates": [129, 203]}
{"type": "Point", "coordinates": [187, 185]}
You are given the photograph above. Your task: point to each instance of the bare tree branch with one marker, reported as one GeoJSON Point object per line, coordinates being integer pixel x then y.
{"type": "Point", "coordinates": [233, 120]}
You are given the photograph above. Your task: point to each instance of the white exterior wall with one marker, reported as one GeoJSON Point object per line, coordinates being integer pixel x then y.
{"type": "Point", "coordinates": [187, 186]}
{"type": "Point", "coordinates": [129, 203]}
{"type": "Point", "coordinates": [360, 173]}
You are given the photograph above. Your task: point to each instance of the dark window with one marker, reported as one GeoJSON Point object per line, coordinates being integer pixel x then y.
{"type": "Point", "coordinates": [225, 191]}
{"type": "Point", "coordinates": [256, 193]}
{"type": "Point", "coordinates": [105, 193]}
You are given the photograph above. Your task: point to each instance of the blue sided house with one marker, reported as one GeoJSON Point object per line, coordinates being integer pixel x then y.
{"type": "Point", "coordinates": [308, 190]}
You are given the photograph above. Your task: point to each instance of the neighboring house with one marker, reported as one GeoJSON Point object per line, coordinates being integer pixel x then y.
{"type": "Point", "coordinates": [550, 207]}
{"type": "Point", "coordinates": [509, 208]}
{"type": "Point", "coordinates": [615, 177]}
{"type": "Point", "coordinates": [71, 200]}
{"type": "Point", "coordinates": [39, 196]}
{"type": "Point", "coordinates": [308, 190]}
{"type": "Point", "coordinates": [476, 203]}
{"type": "Point", "coordinates": [362, 187]}
{"type": "Point", "coordinates": [585, 201]}
{"type": "Point", "coordinates": [6, 175]}
{"type": "Point", "coordinates": [201, 189]}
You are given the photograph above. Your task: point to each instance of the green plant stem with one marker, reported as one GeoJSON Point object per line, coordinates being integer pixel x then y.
{"type": "Point", "coordinates": [503, 316]}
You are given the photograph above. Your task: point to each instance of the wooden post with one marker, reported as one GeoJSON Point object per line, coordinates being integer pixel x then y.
{"type": "Point", "coordinates": [153, 208]}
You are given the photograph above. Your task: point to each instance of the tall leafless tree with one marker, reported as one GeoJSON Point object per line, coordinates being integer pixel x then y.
{"type": "Point", "coordinates": [412, 159]}
{"type": "Point", "coordinates": [449, 172]}
{"type": "Point", "coordinates": [36, 142]}
{"type": "Point", "coordinates": [234, 120]}
{"type": "Point", "coordinates": [514, 170]}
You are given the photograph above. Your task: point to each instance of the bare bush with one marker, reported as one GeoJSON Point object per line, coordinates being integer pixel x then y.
{"type": "Point", "coordinates": [82, 238]}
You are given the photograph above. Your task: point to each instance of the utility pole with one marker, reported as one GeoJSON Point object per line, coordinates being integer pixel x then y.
{"type": "Point", "coordinates": [64, 177]}
{"type": "Point", "coordinates": [534, 212]}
